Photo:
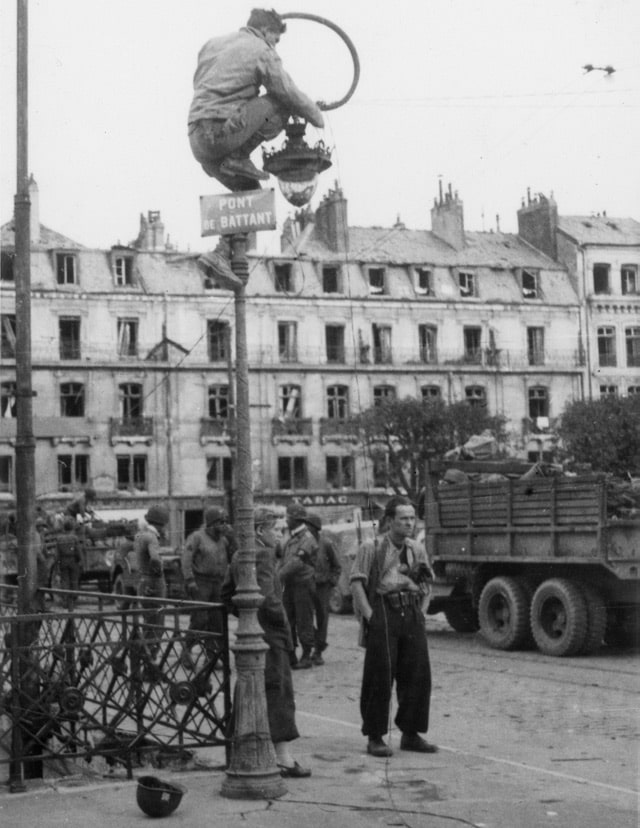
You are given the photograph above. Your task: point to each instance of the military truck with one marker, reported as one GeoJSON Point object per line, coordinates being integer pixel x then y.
{"type": "Point", "coordinates": [533, 560]}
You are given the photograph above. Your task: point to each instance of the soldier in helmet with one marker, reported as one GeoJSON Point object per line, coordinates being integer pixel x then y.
{"type": "Point", "coordinates": [81, 509]}
{"type": "Point", "coordinates": [146, 546]}
{"type": "Point", "coordinates": [69, 560]}
{"type": "Point", "coordinates": [205, 558]}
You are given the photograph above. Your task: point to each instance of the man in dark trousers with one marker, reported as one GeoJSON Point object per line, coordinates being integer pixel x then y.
{"type": "Point", "coordinates": [146, 546]}
{"type": "Point", "coordinates": [272, 618]}
{"type": "Point", "coordinates": [69, 560]}
{"type": "Point", "coordinates": [297, 573]}
{"type": "Point", "coordinates": [389, 583]}
{"type": "Point", "coordinates": [228, 118]}
{"type": "Point", "coordinates": [327, 576]}
{"type": "Point", "coordinates": [205, 560]}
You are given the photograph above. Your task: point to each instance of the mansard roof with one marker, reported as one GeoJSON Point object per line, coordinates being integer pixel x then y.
{"type": "Point", "coordinates": [602, 230]}
{"type": "Point", "coordinates": [49, 239]}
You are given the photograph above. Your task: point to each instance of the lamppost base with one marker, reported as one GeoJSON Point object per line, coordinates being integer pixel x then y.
{"type": "Point", "coordinates": [253, 786]}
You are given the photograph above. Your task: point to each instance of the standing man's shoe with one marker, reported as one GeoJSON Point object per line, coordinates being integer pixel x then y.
{"type": "Point", "coordinates": [415, 742]}
{"type": "Point", "coordinates": [305, 663]}
{"type": "Point", "coordinates": [316, 658]}
{"type": "Point", "coordinates": [378, 747]}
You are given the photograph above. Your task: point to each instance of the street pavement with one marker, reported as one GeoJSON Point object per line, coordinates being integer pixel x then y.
{"type": "Point", "coordinates": [463, 784]}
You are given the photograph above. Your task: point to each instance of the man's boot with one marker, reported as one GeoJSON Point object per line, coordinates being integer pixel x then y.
{"type": "Point", "coordinates": [316, 658]}
{"type": "Point", "coordinates": [305, 662]}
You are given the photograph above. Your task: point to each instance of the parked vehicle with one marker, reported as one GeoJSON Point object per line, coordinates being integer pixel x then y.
{"type": "Point", "coordinates": [346, 537]}
{"type": "Point", "coordinates": [533, 561]}
{"type": "Point", "coordinates": [124, 576]}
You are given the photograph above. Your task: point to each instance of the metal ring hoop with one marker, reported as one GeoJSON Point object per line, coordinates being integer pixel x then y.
{"type": "Point", "coordinates": [352, 49]}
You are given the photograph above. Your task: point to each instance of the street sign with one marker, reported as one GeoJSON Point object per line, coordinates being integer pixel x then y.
{"type": "Point", "coordinates": [238, 212]}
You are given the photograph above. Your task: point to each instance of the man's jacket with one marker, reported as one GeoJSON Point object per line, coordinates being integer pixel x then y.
{"type": "Point", "coordinates": [300, 556]}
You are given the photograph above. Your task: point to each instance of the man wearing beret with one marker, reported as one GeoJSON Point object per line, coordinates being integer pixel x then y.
{"type": "Point", "coordinates": [297, 573]}
{"type": "Point", "coordinates": [205, 559]}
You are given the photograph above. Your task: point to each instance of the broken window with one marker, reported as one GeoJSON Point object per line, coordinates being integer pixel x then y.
{"type": "Point", "coordinates": [69, 329]}
{"type": "Point", "coordinates": [330, 279]}
{"type": "Point", "coordinates": [131, 472]}
{"type": "Point", "coordinates": [131, 402]}
{"type": "Point", "coordinates": [123, 271]}
{"type": "Point", "coordinates": [427, 337]}
{"type": "Point", "coordinates": [127, 337]}
{"type": "Point", "coordinates": [219, 473]}
{"type": "Point", "coordinates": [535, 346]}
{"type": "Point", "coordinates": [8, 336]}
{"type": "Point", "coordinates": [6, 473]}
{"type": "Point", "coordinates": [334, 339]}
{"type": "Point", "coordinates": [601, 278]}
{"type": "Point", "coordinates": [529, 284]}
{"type": "Point", "coordinates": [73, 471]}
{"type": "Point", "coordinates": [376, 280]}
{"type": "Point", "coordinates": [607, 347]}
{"type": "Point", "coordinates": [423, 281]}
{"type": "Point", "coordinates": [72, 399]}
{"type": "Point", "coordinates": [466, 283]}
{"type": "Point", "coordinates": [629, 279]}
{"type": "Point", "coordinates": [8, 400]}
{"type": "Point", "coordinates": [283, 278]}
{"type": "Point", "coordinates": [476, 396]}
{"type": "Point", "coordinates": [219, 402]}
{"type": "Point", "coordinates": [287, 341]}
{"type": "Point", "coordinates": [337, 402]}
{"type": "Point", "coordinates": [292, 473]}
{"type": "Point", "coordinates": [218, 340]}
{"type": "Point", "coordinates": [472, 344]}
{"type": "Point", "coordinates": [340, 472]}
{"type": "Point", "coordinates": [290, 406]}
{"type": "Point", "coordinates": [632, 337]}
{"type": "Point", "coordinates": [381, 344]}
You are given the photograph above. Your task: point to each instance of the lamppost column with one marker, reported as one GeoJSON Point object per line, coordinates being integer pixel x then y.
{"type": "Point", "coordinates": [253, 771]}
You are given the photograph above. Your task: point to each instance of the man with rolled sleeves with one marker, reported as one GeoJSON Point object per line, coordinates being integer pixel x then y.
{"type": "Point", "coordinates": [146, 546]}
{"type": "Point", "coordinates": [297, 573]}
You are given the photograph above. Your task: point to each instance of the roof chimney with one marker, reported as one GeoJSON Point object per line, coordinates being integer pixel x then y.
{"type": "Point", "coordinates": [331, 220]}
{"type": "Point", "coordinates": [34, 211]}
{"type": "Point", "coordinates": [447, 218]}
{"type": "Point", "coordinates": [537, 223]}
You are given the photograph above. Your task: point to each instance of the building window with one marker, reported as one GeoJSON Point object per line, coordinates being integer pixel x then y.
{"type": "Point", "coordinates": [73, 471]}
{"type": "Point", "coordinates": [334, 338]}
{"type": "Point", "coordinates": [123, 271]}
{"type": "Point", "coordinates": [219, 473]}
{"type": "Point", "coordinates": [381, 344]}
{"type": "Point", "coordinates": [381, 471]}
{"type": "Point", "coordinates": [632, 337]}
{"type": "Point", "coordinates": [131, 471]}
{"type": "Point", "coordinates": [219, 402]}
{"type": "Point", "coordinates": [127, 337]}
{"type": "Point", "coordinates": [8, 400]}
{"type": "Point", "coordinates": [423, 283]}
{"type": "Point", "coordinates": [608, 391]}
{"type": "Point", "coordinates": [72, 399]}
{"type": "Point", "coordinates": [66, 269]}
{"type": "Point", "coordinates": [538, 402]}
{"type": "Point", "coordinates": [427, 338]}
{"type": "Point", "coordinates": [131, 403]}
{"type": "Point", "coordinates": [375, 276]}
{"type": "Point", "coordinates": [337, 402]}
{"type": "Point", "coordinates": [218, 340]}
{"type": "Point", "coordinates": [607, 347]}
{"type": "Point", "coordinates": [290, 406]}
{"type": "Point", "coordinates": [629, 279]}
{"type": "Point", "coordinates": [288, 341]}
{"type": "Point", "coordinates": [530, 284]}
{"type": "Point", "coordinates": [283, 278]}
{"type": "Point", "coordinates": [292, 473]}
{"type": "Point", "coordinates": [633, 391]}
{"type": "Point", "coordinates": [476, 396]}
{"type": "Point", "coordinates": [330, 279]}
{"type": "Point", "coordinates": [601, 278]}
{"type": "Point", "coordinates": [8, 336]}
{"type": "Point", "coordinates": [466, 283]}
{"type": "Point", "coordinates": [383, 393]}
{"type": "Point", "coordinates": [472, 344]}
{"type": "Point", "coordinates": [535, 346]}
{"type": "Point", "coordinates": [430, 392]}
{"type": "Point", "coordinates": [7, 266]}
{"type": "Point", "coordinates": [6, 473]}
{"type": "Point", "coordinates": [340, 473]}
{"type": "Point", "coordinates": [69, 330]}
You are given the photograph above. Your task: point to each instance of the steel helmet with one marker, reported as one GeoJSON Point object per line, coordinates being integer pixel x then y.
{"type": "Point", "coordinates": [157, 516]}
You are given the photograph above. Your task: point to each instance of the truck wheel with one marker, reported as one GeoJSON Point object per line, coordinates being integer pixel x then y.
{"type": "Point", "coordinates": [596, 619]}
{"type": "Point", "coordinates": [339, 604]}
{"type": "Point", "coordinates": [559, 617]}
{"type": "Point", "coordinates": [121, 598]}
{"type": "Point", "coordinates": [461, 616]}
{"type": "Point", "coordinates": [503, 613]}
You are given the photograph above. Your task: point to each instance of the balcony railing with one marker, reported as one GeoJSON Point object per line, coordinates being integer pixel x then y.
{"type": "Point", "coordinates": [131, 429]}
{"type": "Point", "coordinates": [216, 430]}
{"type": "Point", "coordinates": [291, 430]}
{"type": "Point", "coordinates": [338, 431]}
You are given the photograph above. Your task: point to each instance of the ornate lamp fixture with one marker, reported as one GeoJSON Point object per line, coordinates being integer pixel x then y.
{"type": "Point", "coordinates": [297, 165]}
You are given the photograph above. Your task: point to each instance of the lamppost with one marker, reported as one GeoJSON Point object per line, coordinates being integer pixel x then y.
{"type": "Point", "coordinates": [253, 771]}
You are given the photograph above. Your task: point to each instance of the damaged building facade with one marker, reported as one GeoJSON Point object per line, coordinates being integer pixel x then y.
{"type": "Point", "coordinates": [133, 353]}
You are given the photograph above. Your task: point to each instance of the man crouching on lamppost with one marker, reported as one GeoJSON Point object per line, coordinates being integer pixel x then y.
{"type": "Point", "coordinates": [389, 583]}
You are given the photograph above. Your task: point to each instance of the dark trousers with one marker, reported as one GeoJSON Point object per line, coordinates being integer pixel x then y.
{"type": "Point", "coordinates": [69, 579]}
{"type": "Point", "coordinates": [281, 708]}
{"type": "Point", "coordinates": [321, 606]}
{"type": "Point", "coordinates": [152, 625]}
{"type": "Point", "coordinates": [298, 601]}
{"type": "Point", "coordinates": [396, 649]}
{"type": "Point", "coordinates": [206, 620]}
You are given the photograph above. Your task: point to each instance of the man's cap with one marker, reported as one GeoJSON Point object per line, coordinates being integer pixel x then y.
{"type": "Point", "coordinates": [262, 516]}
{"type": "Point", "coordinates": [296, 511]}
{"type": "Point", "coordinates": [157, 516]}
{"type": "Point", "coordinates": [314, 520]}
{"type": "Point", "coordinates": [214, 515]}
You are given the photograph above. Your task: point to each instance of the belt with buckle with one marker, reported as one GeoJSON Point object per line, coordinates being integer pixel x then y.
{"type": "Point", "coordinates": [400, 600]}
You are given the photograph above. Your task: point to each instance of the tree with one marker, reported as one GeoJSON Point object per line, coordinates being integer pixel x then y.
{"type": "Point", "coordinates": [603, 433]}
{"type": "Point", "coordinates": [409, 432]}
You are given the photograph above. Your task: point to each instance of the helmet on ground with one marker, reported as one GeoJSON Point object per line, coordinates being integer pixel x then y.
{"type": "Point", "coordinates": [314, 520]}
{"type": "Point", "coordinates": [158, 798]}
{"type": "Point", "coordinates": [157, 516]}
{"type": "Point", "coordinates": [214, 515]}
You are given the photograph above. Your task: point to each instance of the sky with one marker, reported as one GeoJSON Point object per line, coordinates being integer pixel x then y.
{"type": "Point", "coordinates": [488, 96]}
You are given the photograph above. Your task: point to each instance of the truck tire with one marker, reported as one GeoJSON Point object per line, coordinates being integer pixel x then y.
{"type": "Point", "coordinates": [461, 616]}
{"type": "Point", "coordinates": [596, 619]}
{"type": "Point", "coordinates": [339, 604]}
{"type": "Point", "coordinates": [503, 613]}
{"type": "Point", "coordinates": [122, 599]}
{"type": "Point", "coordinates": [559, 617]}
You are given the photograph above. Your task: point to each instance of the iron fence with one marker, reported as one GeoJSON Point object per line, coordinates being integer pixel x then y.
{"type": "Point", "coordinates": [115, 683]}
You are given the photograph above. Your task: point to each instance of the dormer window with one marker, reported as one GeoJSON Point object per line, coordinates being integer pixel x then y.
{"type": "Point", "coordinates": [66, 269]}
{"type": "Point", "coordinates": [7, 260]}
{"type": "Point", "coordinates": [283, 277]}
{"type": "Point", "coordinates": [530, 288]}
{"type": "Point", "coordinates": [466, 283]}
{"type": "Point", "coordinates": [331, 279]}
{"type": "Point", "coordinates": [123, 270]}
{"type": "Point", "coordinates": [423, 281]}
{"type": "Point", "coordinates": [376, 280]}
